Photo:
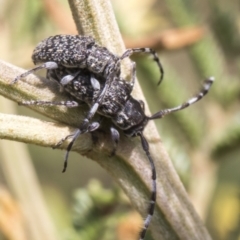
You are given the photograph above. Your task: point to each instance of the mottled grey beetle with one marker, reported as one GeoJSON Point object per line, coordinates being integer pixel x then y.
{"type": "Point", "coordinates": [91, 74]}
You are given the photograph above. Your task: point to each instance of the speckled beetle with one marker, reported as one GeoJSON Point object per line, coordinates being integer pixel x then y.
{"type": "Point", "coordinates": [91, 74]}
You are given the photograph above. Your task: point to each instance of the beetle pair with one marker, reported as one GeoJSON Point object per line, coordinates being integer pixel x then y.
{"type": "Point", "coordinates": [92, 74]}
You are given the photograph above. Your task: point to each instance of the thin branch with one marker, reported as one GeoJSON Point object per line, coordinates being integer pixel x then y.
{"type": "Point", "coordinates": [175, 215]}
{"type": "Point", "coordinates": [171, 39]}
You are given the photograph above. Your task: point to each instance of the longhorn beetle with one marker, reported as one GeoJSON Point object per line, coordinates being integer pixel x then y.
{"type": "Point", "coordinates": [91, 74]}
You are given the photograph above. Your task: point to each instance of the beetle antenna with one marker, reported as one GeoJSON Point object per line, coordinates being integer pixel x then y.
{"type": "Point", "coordinates": [206, 86]}
{"type": "Point", "coordinates": [151, 207]}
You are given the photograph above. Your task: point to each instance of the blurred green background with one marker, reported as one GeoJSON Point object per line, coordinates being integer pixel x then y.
{"type": "Point", "coordinates": [195, 40]}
